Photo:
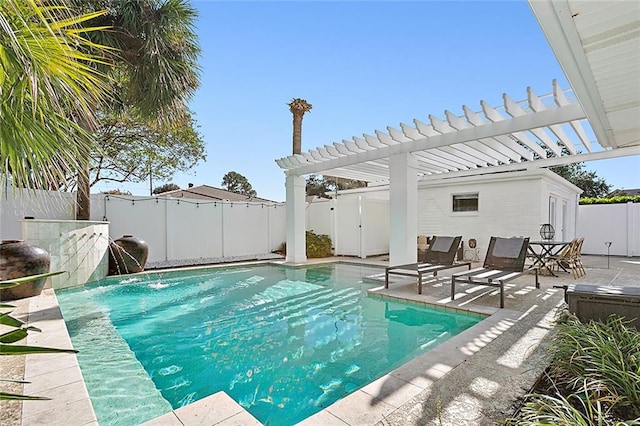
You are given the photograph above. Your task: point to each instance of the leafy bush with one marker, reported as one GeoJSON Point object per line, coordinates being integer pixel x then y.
{"type": "Point", "coordinates": [602, 356]}
{"type": "Point", "coordinates": [318, 245]}
{"type": "Point", "coordinates": [594, 377]}
{"type": "Point", "coordinates": [621, 199]}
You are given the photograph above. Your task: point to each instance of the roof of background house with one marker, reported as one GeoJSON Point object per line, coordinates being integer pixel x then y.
{"type": "Point", "coordinates": [619, 192]}
{"type": "Point", "coordinates": [206, 192]}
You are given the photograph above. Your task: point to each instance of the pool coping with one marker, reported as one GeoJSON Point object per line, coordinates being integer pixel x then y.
{"type": "Point", "coordinates": [59, 376]}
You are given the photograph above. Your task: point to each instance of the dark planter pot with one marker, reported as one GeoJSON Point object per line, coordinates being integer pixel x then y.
{"type": "Point", "coordinates": [127, 255]}
{"type": "Point", "coordinates": [20, 259]}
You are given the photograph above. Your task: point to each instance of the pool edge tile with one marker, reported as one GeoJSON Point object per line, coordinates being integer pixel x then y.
{"type": "Point", "coordinates": [168, 419]}
{"type": "Point", "coordinates": [45, 310]}
{"type": "Point", "coordinates": [360, 408]}
{"type": "Point", "coordinates": [392, 390]}
{"type": "Point", "coordinates": [214, 409]}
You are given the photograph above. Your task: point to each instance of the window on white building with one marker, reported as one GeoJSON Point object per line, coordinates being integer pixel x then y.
{"type": "Point", "coordinates": [465, 202]}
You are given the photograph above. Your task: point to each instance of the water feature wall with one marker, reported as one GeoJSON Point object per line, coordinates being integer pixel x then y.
{"type": "Point", "coordinates": [81, 248]}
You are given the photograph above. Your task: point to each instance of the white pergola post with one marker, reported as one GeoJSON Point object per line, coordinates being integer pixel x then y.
{"type": "Point", "coordinates": [295, 217]}
{"type": "Point", "coordinates": [403, 209]}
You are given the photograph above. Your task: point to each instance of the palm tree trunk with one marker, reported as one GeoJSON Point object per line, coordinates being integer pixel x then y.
{"type": "Point", "coordinates": [83, 198]}
{"type": "Point", "coordinates": [297, 133]}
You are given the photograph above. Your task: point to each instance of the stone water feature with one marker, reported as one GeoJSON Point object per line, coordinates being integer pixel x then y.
{"type": "Point", "coordinates": [79, 247]}
{"type": "Point", "coordinates": [127, 255]}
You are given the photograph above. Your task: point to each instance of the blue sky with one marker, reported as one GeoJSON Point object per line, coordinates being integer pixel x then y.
{"type": "Point", "coordinates": [363, 66]}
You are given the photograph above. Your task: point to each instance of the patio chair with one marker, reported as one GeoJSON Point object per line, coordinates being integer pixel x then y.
{"type": "Point", "coordinates": [439, 255]}
{"type": "Point", "coordinates": [570, 258]}
{"type": "Point", "coordinates": [578, 257]}
{"type": "Point", "coordinates": [503, 262]}
{"type": "Point", "coordinates": [564, 259]}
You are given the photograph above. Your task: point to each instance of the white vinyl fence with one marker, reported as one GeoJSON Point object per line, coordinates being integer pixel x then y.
{"type": "Point", "coordinates": [36, 203]}
{"type": "Point", "coordinates": [618, 224]}
{"type": "Point", "coordinates": [175, 229]}
{"type": "Point", "coordinates": [357, 226]}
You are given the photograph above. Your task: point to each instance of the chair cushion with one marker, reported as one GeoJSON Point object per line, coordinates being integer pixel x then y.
{"type": "Point", "coordinates": [507, 247]}
{"type": "Point", "coordinates": [442, 244]}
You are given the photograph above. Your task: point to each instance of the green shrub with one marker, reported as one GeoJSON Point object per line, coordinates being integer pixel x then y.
{"type": "Point", "coordinates": [621, 199]}
{"type": "Point", "coordinates": [603, 356]}
{"type": "Point", "coordinates": [318, 245]}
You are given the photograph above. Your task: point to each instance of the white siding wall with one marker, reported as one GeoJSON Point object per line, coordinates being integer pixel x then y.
{"type": "Point", "coordinates": [505, 208]}
{"type": "Point", "coordinates": [510, 204]}
{"type": "Point", "coordinates": [515, 204]}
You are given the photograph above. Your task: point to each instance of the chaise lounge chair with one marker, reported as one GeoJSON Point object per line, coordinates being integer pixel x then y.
{"type": "Point", "coordinates": [440, 255]}
{"type": "Point", "coordinates": [503, 262]}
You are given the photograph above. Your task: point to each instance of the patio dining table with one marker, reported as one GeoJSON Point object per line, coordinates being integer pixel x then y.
{"type": "Point", "coordinates": [540, 251]}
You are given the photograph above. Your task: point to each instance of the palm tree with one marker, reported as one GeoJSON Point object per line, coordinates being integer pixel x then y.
{"type": "Point", "coordinates": [298, 107]}
{"type": "Point", "coordinates": [155, 69]}
{"type": "Point", "coordinates": [48, 84]}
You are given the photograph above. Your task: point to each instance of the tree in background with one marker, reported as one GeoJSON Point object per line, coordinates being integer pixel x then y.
{"type": "Point", "coordinates": [48, 84]}
{"type": "Point", "coordinates": [135, 151]}
{"type": "Point", "coordinates": [152, 67]}
{"type": "Point", "coordinates": [165, 188]}
{"type": "Point", "coordinates": [591, 185]}
{"type": "Point", "coordinates": [298, 107]}
{"type": "Point", "coordinates": [320, 185]}
{"type": "Point", "coordinates": [235, 182]}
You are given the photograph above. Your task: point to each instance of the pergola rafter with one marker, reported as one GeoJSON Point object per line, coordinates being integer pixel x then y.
{"type": "Point", "coordinates": [552, 126]}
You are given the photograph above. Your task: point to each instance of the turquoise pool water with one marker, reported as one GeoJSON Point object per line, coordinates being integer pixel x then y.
{"type": "Point", "coordinates": [283, 342]}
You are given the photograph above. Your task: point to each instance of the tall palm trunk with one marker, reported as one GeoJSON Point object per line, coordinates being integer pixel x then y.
{"type": "Point", "coordinates": [298, 107]}
{"type": "Point", "coordinates": [83, 197]}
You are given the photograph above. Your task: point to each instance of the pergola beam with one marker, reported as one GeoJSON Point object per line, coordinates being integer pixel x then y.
{"type": "Point", "coordinates": [562, 114]}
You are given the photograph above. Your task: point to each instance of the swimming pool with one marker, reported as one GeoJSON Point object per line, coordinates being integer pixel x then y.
{"type": "Point", "coordinates": [283, 342]}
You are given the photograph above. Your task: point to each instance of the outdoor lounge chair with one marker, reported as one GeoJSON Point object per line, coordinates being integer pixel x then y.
{"type": "Point", "coordinates": [503, 262]}
{"type": "Point", "coordinates": [439, 255]}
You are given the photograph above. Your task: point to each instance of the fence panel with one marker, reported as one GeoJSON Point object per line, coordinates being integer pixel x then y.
{"type": "Point", "coordinates": [245, 227]}
{"type": "Point", "coordinates": [347, 220]}
{"type": "Point", "coordinates": [142, 217]}
{"type": "Point", "coordinates": [615, 223]}
{"type": "Point", "coordinates": [34, 203]}
{"type": "Point", "coordinates": [194, 230]}
{"type": "Point", "coordinates": [375, 226]}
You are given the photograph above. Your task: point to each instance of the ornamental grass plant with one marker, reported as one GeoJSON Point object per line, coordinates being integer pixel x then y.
{"type": "Point", "coordinates": [593, 379]}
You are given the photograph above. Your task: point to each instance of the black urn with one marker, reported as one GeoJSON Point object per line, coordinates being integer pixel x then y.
{"type": "Point", "coordinates": [127, 255]}
{"type": "Point", "coordinates": [20, 259]}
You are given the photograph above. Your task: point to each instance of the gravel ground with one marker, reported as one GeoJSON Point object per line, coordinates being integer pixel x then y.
{"type": "Point", "coordinates": [210, 261]}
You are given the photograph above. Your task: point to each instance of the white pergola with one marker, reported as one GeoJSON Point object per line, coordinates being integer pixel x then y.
{"type": "Point", "coordinates": [598, 47]}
